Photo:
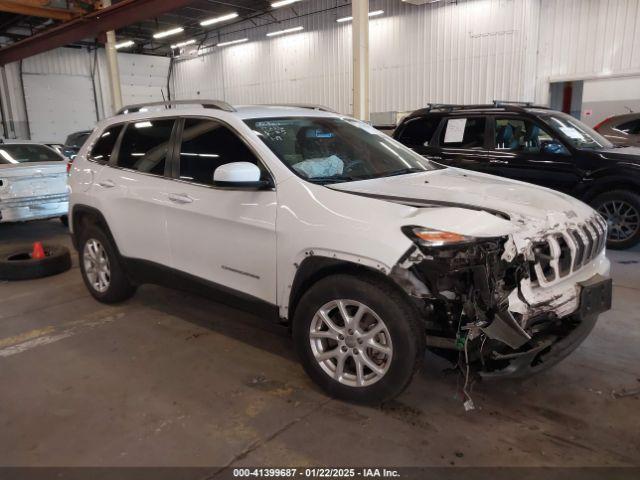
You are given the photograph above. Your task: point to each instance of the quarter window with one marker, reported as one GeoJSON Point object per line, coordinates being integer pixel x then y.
{"type": "Point", "coordinates": [145, 145]}
{"type": "Point", "coordinates": [205, 146]}
{"type": "Point", "coordinates": [463, 133]}
{"type": "Point", "coordinates": [103, 148]}
{"type": "Point", "coordinates": [630, 128]}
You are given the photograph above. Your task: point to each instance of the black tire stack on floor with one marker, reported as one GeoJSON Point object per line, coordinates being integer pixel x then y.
{"type": "Point", "coordinates": [18, 264]}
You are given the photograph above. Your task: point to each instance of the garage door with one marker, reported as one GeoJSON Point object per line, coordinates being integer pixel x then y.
{"type": "Point", "coordinates": [58, 105]}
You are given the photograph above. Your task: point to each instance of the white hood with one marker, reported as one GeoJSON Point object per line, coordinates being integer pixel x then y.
{"type": "Point", "coordinates": [527, 206]}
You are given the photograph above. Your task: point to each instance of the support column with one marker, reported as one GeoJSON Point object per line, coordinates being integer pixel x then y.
{"type": "Point", "coordinates": [360, 46]}
{"type": "Point", "coordinates": [112, 67]}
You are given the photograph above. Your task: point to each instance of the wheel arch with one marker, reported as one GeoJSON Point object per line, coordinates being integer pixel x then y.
{"type": "Point", "coordinates": [83, 216]}
{"type": "Point", "coordinates": [607, 183]}
{"type": "Point", "coordinates": [314, 268]}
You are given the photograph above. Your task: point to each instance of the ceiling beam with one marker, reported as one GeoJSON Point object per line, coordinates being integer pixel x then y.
{"type": "Point", "coordinates": [34, 10]}
{"type": "Point", "coordinates": [121, 14]}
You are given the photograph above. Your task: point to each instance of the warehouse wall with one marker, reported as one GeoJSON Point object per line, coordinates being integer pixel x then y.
{"type": "Point", "coordinates": [66, 90]}
{"type": "Point", "coordinates": [473, 51]}
{"type": "Point", "coordinates": [465, 52]}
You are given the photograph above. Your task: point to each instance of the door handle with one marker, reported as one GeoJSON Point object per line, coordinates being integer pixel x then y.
{"type": "Point", "coordinates": [180, 198]}
{"type": "Point", "coordinates": [435, 158]}
{"type": "Point", "coordinates": [497, 161]}
{"type": "Point", "coordinates": [107, 184]}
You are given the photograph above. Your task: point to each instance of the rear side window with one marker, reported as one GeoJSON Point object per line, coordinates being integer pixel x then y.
{"type": "Point", "coordinates": [145, 146]}
{"type": "Point", "coordinates": [418, 132]}
{"type": "Point", "coordinates": [103, 148]}
{"type": "Point", "coordinates": [463, 133]}
{"type": "Point", "coordinates": [206, 145]}
{"type": "Point", "coordinates": [25, 153]}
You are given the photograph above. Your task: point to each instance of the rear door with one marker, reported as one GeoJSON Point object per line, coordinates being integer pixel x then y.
{"type": "Point", "coordinates": [463, 142]}
{"type": "Point", "coordinates": [220, 234]}
{"type": "Point", "coordinates": [132, 189]}
{"type": "Point", "coordinates": [523, 149]}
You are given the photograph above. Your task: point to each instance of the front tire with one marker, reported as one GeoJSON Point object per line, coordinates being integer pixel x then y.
{"type": "Point", "coordinates": [621, 210]}
{"type": "Point", "coordinates": [101, 268]}
{"type": "Point", "coordinates": [359, 338]}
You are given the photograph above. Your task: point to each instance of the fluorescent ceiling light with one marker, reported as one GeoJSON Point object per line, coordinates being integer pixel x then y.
{"type": "Point", "coordinates": [283, 3]}
{"type": "Point", "coordinates": [286, 30]}
{"type": "Point", "coordinates": [166, 33]}
{"type": "Point", "coordinates": [143, 124]}
{"type": "Point", "coordinates": [232, 42]}
{"type": "Point", "coordinates": [223, 18]}
{"type": "Point", "coordinates": [126, 44]}
{"type": "Point", "coordinates": [375, 13]}
{"type": "Point", "coordinates": [183, 44]}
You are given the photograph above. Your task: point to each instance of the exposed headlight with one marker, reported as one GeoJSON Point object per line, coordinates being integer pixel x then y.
{"type": "Point", "coordinates": [429, 237]}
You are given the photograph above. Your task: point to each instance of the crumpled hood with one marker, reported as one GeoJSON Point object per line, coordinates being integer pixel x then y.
{"type": "Point", "coordinates": [524, 203]}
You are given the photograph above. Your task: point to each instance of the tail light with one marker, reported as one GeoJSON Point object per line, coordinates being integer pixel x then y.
{"type": "Point", "coordinates": [69, 166]}
{"type": "Point", "coordinates": [602, 123]}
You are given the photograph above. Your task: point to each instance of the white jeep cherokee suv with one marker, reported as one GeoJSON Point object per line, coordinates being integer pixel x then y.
{"type": "Point", "coordinates": [370, 252]}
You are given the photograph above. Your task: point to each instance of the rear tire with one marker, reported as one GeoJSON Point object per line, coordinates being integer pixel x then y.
{"type": "Point", "coordinates": [65, 220]}
{"type": "Point", "coordinates": [370, 360]}
{"type": "Point", "coordinates": [621, 210]}
{"type": "Point", "coordinates": [102, 269]}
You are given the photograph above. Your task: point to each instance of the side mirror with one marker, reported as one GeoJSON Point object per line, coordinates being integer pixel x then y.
{"type": "Point", "coordinates": [238, 175]}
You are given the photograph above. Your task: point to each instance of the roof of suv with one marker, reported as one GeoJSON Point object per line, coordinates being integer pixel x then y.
{"type": "Point", "coordinates": [496, 106]}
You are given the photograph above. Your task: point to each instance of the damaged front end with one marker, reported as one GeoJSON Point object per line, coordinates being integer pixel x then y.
{"type": "Point", "coordinates": [489, 298]}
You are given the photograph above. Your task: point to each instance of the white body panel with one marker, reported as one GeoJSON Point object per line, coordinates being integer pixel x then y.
{"type": "Point", "coordinates": [254, 241]}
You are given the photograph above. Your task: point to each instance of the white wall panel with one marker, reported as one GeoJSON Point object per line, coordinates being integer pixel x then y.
{"type": "Point", "coordinates": [472, 51]}
{"type": "Point", "coordinates": [583, 39]}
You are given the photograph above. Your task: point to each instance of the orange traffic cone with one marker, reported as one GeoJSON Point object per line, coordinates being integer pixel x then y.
{"type": "Point", "coordinates": [38, 251]}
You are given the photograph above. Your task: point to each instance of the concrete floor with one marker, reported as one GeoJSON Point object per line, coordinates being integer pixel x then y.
{"type": "Point", "coordinates": [172, 379]}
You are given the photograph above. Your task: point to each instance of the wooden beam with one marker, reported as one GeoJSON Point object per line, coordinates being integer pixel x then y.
{"type": "Point", "coordinates": [23, 8]}
{"type": "Point", "coordinates": [121, 14]}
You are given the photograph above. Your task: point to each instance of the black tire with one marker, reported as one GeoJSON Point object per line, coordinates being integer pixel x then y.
{"type": "Point", "coordinates": [18, 264]}
{"type": "Point", "coordinates": [65, 220]}
{"type": "Point", "coordinates": [120, 287]}
{"type": "Point", "coordinates": [392, 307]}
{"type": "Point", "coordinates": [633, 201]}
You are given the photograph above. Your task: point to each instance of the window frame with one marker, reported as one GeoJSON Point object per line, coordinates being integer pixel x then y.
{"type": "Point", "coordinates": [443, 125]}
{"type": "Point", "coordinates": [506, 115]}
{"type": "Point", "coordinates": [175, 160]}
{"type": "Point", "coordinates": [435, 135]}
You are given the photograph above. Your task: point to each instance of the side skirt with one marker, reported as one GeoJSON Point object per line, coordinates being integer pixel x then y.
{"type": "Point", "coordinates": [144, 271]}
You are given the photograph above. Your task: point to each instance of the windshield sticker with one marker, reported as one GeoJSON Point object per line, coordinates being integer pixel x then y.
{"type": "Point", "coordinates": [455, 130]}
{"type": "Point", "coordinates": [572, 133]}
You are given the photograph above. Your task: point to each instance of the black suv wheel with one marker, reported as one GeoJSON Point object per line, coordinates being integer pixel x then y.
{"type": "Point", "coordinates": [621, 210]}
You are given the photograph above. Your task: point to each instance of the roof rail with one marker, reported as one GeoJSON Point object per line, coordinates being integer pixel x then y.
{"type": "Point", "coordinates": [216, 104]}
{"type": "Point", "coordinates": [508, 103]}
{"type": "Point", "coordinates": [310, 106]}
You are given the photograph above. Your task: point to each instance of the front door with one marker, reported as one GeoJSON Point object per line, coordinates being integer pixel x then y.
{"type": "Point", "coordinates": [462, 142]}
{"type": "Point", "coordinates": [524, 150]}
{"type": "Point", "coordinates": [224, 235]}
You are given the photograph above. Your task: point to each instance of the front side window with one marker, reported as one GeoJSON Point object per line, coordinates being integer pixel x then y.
{"type": "Point", "coordinates": [577, 133]}
{"type": "Point", "coordinates": [15, 153]}
{"type": "Point", "coordinates": [523, 135]}
{"type": "Point", "coordinates": [418, 132]}
{"type": "Point", "coordinates": [463, 133]}
{"type": "Point", "coordinates": [206, 145]}
{"type": "Point", "coordinates": [103, 148]}
{"type": "Point", "coordinates": [330, 149]}
{"type": "Point", "coordinates": [145, 145]}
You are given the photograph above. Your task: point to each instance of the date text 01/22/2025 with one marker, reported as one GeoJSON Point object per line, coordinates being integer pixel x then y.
{"type": "Point", "coordinates": [315, 472]}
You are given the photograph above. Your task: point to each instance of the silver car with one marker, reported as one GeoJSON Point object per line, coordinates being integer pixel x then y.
{"type": "Point", "coordinates": [33, 183]}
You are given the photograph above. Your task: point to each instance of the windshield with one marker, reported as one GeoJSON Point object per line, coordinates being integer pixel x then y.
{"type": "Point", "coordinates": [330, 150]}
{"type": "Point", "coordinates": [27, 153]}
{"type": "Point", "coordinates": [577, 133]}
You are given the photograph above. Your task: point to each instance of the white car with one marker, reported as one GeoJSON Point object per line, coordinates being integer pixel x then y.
{"type": "Point", "coordinates": [33, 182]}
{"type": "Point", "coordinates": [370, 252]}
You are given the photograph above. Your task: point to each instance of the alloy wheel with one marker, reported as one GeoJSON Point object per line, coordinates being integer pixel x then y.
{"type": "Point", "coordinates": [623, 220]}
{"type": "Point", "coordinates": [96, 265]}
{"type": "Point", "coordinates": [351, 343]}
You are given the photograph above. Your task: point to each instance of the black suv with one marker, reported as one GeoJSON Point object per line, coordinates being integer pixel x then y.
{"type": "Point", "coordinates": [537, 145]}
